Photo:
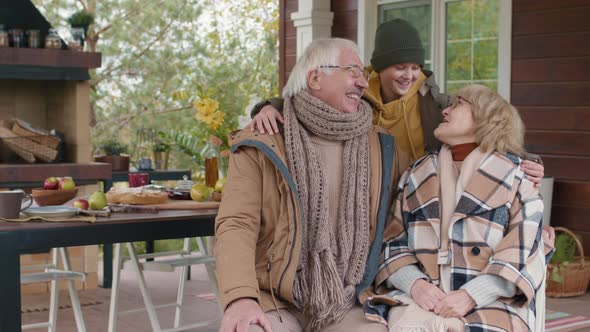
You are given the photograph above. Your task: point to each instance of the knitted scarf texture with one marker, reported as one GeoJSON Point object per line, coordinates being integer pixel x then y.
{"type": "Point", "coordinates": [331, 264]}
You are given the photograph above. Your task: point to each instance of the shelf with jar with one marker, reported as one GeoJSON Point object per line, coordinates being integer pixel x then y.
{"type": "Point", "coordinates": [43, 55]}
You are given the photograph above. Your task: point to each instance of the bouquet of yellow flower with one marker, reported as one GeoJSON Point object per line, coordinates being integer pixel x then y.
{"type": "Point", "coordinates": [208, 112]}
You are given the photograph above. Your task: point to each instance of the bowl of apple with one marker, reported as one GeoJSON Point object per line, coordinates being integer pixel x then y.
{"type": "Point", "coordinates": [55, 191]}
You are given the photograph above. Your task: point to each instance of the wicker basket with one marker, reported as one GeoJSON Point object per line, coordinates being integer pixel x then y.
{"type": "Point", "coordinates": [575, 275]}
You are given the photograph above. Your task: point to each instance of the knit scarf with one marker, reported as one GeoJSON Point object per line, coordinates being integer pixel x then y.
{"type": "Point", "coordinates": [331, 264]}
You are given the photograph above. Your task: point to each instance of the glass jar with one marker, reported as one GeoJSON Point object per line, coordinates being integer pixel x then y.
{"type": "Point", "coordinates": [182, 190]}
{"type": "Point", "coordinates": [52, 39]}
{"type": "Point", "coordinates": [33, 39]}
{"type": "Point", "coordinates": [78, 38]}
{"type": "Point", "coordinates": [17, 38]}
{"type": "Point", "coordinates": [3, 37]}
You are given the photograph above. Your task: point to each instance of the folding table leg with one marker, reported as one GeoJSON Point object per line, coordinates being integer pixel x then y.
{"type": "Point", "coordinates": [147, 299]}
{"type": "Point", "coordinates": [73, 293]}
{"type": "Point", "coordinates": [114, 305]}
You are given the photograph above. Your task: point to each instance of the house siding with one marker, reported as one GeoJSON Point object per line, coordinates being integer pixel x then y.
{"type": "Point", "coordinates": [550, 79]}
{"type": "Point", "coordinates": [550, 76]}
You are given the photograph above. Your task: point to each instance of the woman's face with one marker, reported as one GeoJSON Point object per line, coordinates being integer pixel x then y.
{"type": "Point", "coordinates": [457, 126]}
{"type": "Point", "coordinates": [397, 80]}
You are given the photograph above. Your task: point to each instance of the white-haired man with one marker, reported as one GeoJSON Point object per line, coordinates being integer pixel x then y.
{"type": "Point", "coordinates": [300, 226]}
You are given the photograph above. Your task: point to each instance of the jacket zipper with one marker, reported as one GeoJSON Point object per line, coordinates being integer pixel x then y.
{"type": "Point", "coordinates": [272, 293]}
{"type": "Point", "coordinates": [290, 254]}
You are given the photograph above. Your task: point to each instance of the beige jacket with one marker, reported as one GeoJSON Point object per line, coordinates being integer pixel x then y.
{"type": "Point", "coordinates": [258, 229]}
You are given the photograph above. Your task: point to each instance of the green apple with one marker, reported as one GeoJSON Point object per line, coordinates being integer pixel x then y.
{"type": "Point", "coordinates": [200, 192]}
{"type": "Point", "coordinates": [97, 201]}
{"type": "Point", "coordinates": [67, 183]}
{"type": "Point", "coordinates": [220, 184]}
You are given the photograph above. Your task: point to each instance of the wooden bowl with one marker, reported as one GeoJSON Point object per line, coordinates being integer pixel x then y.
{"type": "Point", "coordinates": [45, 197]}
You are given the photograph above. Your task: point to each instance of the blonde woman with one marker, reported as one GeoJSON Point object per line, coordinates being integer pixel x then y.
{"type": "Point", "coordinates": [468, 253]}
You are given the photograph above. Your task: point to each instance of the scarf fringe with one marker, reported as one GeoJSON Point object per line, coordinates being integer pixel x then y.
{"type": "Point", "coordinates": [331, 302]}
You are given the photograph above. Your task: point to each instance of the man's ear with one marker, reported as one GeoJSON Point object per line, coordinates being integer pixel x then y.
{"type": "Point", "coordinates": [313, 79]}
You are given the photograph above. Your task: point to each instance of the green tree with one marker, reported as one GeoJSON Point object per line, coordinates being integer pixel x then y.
{"type": "Point", "coordinates": [160, 56]}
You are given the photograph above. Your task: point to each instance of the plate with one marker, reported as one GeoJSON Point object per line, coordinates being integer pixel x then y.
{"type": "Point", "coordinates": [52, 211]}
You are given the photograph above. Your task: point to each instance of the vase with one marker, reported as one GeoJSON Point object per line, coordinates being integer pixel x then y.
{"type": "Point", "coordinates": [160, 159]}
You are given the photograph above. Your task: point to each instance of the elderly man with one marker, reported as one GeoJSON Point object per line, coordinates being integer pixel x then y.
{"type": "Point", "coordinates": [300, 227]}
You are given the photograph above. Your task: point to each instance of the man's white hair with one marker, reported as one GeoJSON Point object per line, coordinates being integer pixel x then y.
{"type": "Point", "coordinates": [321, 52]}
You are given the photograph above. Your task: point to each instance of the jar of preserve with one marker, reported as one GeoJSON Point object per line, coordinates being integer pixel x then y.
{"type": "Point", "coordinates": [3, 37]}
{"type": "Point", "coordinates": [52, 39]}
{"type": "Point", "coordinates": [33, 39]}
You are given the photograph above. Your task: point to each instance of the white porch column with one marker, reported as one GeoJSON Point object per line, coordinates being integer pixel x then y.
{"type": "Point", "coordinates": [312, 21]}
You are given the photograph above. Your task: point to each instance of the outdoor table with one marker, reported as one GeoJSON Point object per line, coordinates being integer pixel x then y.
{"type": "Point", "coordinates": [31, 237]}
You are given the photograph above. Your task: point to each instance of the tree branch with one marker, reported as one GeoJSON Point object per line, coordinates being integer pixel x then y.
{"type": "Point", "coordinates": [123, 121]}
{"type": "Point", "coordinates": [145, 50]}
{"type": "Point", "coordinates": [83, 4]}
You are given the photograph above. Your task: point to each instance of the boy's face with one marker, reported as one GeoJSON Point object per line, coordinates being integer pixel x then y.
{"type": "Point", "coordinates": [398, 79]}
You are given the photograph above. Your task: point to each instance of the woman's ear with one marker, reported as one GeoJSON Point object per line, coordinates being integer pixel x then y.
{"type": "Point", "coordinates": [313, 79]}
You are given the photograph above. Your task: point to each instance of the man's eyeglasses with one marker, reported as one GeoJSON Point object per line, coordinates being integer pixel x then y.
{"type": "Point", "coordinates": [354, 70]}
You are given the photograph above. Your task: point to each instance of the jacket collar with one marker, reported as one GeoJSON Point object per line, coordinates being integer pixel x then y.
{"type": "Point", "coordinates": [490, 187]}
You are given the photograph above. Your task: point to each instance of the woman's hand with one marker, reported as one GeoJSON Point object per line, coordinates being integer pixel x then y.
{"type": "Point", "coordinates": [549, 235]}
{"type": "Point", "coordinates": [266, 119]}
{"type": "Point", "coordinates": [455, 304]}
{"type": "Point", "coordinates": [534, 171]}
{"type": "Point", "coordinates": [426, 295]}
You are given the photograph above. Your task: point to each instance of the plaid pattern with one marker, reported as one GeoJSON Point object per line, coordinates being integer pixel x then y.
{"type": "Point", "coordinates": [495, 229]}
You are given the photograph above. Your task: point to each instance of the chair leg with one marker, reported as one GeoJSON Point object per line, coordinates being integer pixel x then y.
{"type": "Point", "coordinates": [54, 295]}
{"type": "Point", "coordinates": [73, 293]}
{"type": "Point", "coordinates": [210, 267]}
{"type": "Point", "coordinates": [180, 295]}
{"type": "Point", "coordinates": [114, 305]}
{"type": "Point", "coordinates": [186, 247]}
{"type": "Point", "coordinates": [147, 299]}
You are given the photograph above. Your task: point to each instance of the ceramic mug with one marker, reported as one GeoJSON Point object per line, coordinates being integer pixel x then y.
{"type": "Point", "coordinates": [12, 202]}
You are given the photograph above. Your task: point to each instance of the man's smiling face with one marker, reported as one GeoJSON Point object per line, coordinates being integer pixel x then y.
{"type": "Point", "coordinates": [337, 87]}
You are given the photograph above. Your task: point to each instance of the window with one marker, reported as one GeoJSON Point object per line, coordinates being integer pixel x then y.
{"type": "Point", "coordinates": [466, 41]}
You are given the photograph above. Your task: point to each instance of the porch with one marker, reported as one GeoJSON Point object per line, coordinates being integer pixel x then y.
{"type": "Point", "coordinates": [199, 305]}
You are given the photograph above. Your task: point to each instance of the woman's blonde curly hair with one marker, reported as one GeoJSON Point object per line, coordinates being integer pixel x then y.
{"type": "Point", "coordinates": [498, 125]}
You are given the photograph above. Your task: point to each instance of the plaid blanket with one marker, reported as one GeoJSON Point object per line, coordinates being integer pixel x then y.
{"type": "Point", "coordinates": [495, 229]}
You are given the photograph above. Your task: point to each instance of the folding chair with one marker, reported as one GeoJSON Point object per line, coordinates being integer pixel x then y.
{"type": "Point", "coordinates": [53, 273]}
{"type": "Point", "coordinates": [167, 262]}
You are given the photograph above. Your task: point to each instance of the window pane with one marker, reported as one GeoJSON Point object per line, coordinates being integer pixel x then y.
{"type": "Point", "coordinates": [458, 64]}
{"type": "Point", "coordinates": [485, 58]}
{"type": "Point", "coordinates": [472, 43]}
{"type": "Point", "coordinates": [485, 16]}
{"type": "Point", "coordinates": [418, 15]}
{"type": "Point", "coordinates": [459, 20]}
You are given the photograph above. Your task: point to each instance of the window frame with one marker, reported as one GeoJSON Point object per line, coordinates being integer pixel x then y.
{"type": "Point", "coordinates": [368, 20]}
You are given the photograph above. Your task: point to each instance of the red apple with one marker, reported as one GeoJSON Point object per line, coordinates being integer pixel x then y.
{"type": "Point", "coordinates": [81, 204]}
{"type": "Point", "coordinates": [50, 183]}
{"type": "Point", "coordinates": [67, 184]}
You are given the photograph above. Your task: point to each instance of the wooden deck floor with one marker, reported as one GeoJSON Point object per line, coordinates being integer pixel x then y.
{"type": "Point", "coordinates": [197, 307]}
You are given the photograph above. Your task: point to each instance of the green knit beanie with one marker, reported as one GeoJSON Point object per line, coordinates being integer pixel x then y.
{"type": "Point", "coordinates": [396, 41]}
